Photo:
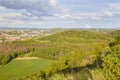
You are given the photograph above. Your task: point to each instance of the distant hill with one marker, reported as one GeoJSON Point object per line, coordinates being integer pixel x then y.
{"type": "Point", "coordinates": [76, 36]}
{"type": "Point", "coordinates": [115, 33]}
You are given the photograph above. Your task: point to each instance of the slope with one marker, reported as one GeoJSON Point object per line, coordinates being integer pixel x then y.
{"type": "Point", "coordinates": [76, 36]}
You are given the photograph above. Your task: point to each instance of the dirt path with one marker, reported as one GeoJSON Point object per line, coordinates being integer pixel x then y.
{"type": "Point", "coordinates": [26, 58]}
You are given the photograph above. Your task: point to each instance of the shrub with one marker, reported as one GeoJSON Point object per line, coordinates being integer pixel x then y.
{"type": "Point", "coordinates": [6, 59]}
{"type": "Point", "coordinates": [1, 57]}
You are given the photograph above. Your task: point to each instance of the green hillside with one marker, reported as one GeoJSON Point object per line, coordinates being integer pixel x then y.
{"type": "Point", "coordinates": [115, 33]}
{"type": "Point", "coordinates": [91, 61]}
{"type": "Point", "coordinates": [76, 36]}
{"type": "Point", "coordinates": [76, 54]}
{"type": "Point", "coordinates": [20, 68]}
{"type": "Point", "coordinates": [69, 41]}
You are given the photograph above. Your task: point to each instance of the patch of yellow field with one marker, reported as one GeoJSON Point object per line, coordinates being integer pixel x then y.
{"type": "Point", "coordinates": [26, 58]}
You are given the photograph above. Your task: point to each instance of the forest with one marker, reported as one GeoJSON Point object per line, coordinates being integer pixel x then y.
{"type": "Point", "coordinates": [65, 55]}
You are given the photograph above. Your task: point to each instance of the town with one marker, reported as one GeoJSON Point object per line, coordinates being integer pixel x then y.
{"type": "Point", "coordinates": [16, 35]}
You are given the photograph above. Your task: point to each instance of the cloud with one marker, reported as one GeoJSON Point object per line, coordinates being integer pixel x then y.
{"type": "Point", "coordinates": [65, 10]}
{"type": "Point", "coordinates": [65, 16]}
{"type": "Point", "coordinates": [2, 8]}
{"type": "Point", "coordinates": [88, 26]}
{"type": "Point", "coordinates": [53, 2]}
{"type": "Point", "coordinates": [15, 19]}
{"type": "Point", "coordinates": [35, 7]}
{"type": "Point", "coordinates": [107, 13]}
{"type": "Point", "coordinates": [114, 6]}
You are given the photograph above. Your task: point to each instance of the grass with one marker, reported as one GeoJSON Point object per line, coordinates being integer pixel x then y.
{"type": "Point", "coordinates": [20, 68]}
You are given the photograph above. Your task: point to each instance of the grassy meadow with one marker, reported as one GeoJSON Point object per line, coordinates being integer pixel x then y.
{"type": "Point", "coordinates": [20, 68]}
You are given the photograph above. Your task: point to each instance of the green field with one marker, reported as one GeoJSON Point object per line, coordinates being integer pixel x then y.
{"type": "Point", "coordinates": [20, 68]}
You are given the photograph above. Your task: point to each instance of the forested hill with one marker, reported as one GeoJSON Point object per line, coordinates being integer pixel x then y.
{"type": "Point", "coordinates": [68, 55]}
{"type": "Point", "coordinates": [115, 33]}
{"type": "Point", "coordinates": [76, 36]}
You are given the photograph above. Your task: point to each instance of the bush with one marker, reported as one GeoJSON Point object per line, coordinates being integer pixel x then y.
{"type": "Point", "coordinates": [6, 59]}
{"type": "Point", "coordinates": [1, 57]}
{"type": "Point", "coordinates": [111, 60]}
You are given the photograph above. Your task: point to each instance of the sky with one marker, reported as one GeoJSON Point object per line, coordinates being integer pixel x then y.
{"type": "Point", "coordinates": [60, 13]}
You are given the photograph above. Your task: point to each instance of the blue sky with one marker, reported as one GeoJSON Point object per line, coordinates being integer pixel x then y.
{"type": "Point", "coordinates": [60, 13]}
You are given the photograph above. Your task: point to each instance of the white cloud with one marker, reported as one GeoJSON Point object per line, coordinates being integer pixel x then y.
{"type": "Point", "coordinates": [53, 2]}
{"type": "Point", "coordinates": [18, 19]}
{"type": "Point", "coordinates": [65, 10]}
{"type": "Point", "coordinates": [114, 5]}
{"type": "Point", "coordinates": [107, 13]}
{"type": "Point", "coordinates": [14, 19]}
{"type": "Point", "coordinates": [102, 15]}
{"type": "Point", "coordinates": [64, 16]}
{"type": "Point", "coordinates": [6, 19]}
{"type": "Point", "coordinates": [88, 26]}
{"type": "Point", "coordinates": [10, 15]}
{"type": "Point", "coordinates": [2, 8]}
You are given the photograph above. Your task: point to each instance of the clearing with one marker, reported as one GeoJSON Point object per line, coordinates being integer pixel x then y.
{"type": "Point", "coordinates": [23, 66]}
